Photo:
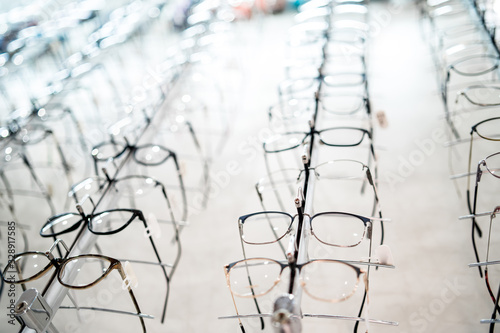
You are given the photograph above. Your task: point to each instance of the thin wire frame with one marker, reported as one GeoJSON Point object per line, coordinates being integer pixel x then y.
{"type": "Point", "coordinates": [246, 263]}
{"type": "Point", "coordinates": [367, 225]}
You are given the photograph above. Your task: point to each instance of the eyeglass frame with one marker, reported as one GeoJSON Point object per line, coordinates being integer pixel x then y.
{"type": "Point", "coordinates": [228, 267]}
{"type": "Point", "coordinates": [314, 131]}
{"type": "Point", "coordinates": [368, 224]}
{"type": "Point", "coordinates": [59, 264]}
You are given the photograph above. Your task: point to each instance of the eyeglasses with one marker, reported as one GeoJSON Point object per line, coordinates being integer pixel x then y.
{"type": "Point", "coordinates": [131, 186]}
{"type": "Point", "coordinates": [283, 183]}
{"type": "Point", "coordinates": [79, 272]}
{"type": "Point", "coordinates": [305, 86]}
{"type": "Point", "coordinates": [103, 223]}
{"type": "Point", "coordinates": [10, 192]}
{"type": "Point", "coordinates": [487, 129]}
{"type": "Point", "coordinates": [334, 137]}
{"type": "Point", "coordinates": [331, 228]}
{"type": "Point", "coordinates": [323, 279]}
{"type": "Point", "coordinates": [334, 104]}
{"type": "Point", "coordinates": [147, 155]}
{"type": "Point", "coordinates": [481, 95]}
{"type": "Point", "coordinates": [475, 65]}
{"type": "Point", "coordinates": [470, 66]}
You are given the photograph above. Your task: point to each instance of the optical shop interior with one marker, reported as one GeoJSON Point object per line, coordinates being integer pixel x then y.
{"type": "Point", "coordinates": [249, 166]}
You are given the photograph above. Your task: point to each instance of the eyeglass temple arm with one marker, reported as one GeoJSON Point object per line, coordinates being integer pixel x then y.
{"type": "Point", "coordinates": [356, 325]}
{"type": "Point", "coordinates": [157, 254]}
{"type": "Point", "coordinates": [494, 314]}
{"type": "Point", "coordinates": [119, 267]}
{"type": "Point", "coordinates": [236, 307]}
{"type": "Point", "coordinates": [262, 325]}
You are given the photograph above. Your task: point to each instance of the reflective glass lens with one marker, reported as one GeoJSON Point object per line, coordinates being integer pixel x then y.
{"type": "Point", "coordinates": [25, 267]}
{"type": "Point", "coordinates": [136, 186]}
{"type": "Point", "coordinates": [492, 271]}
{"type": "Point", "coordinates": [303, 71]}
{"type": "Point", "coordinates": [339, 47]}
{"type": "Point", "coordinates": [265, 227]}
{"type": "Point", "coordinates": [292, 108]}
{"type": "Point", "coordinates": [284, 142]}
{"type": "Point", "coordinates": [110, 222]}
{"type": "Point", "coordinates": [107, 150]}
{"type": "Point", "coordinates": [343, 137]}
{"type": "Point", "coordinates": [281, 179]}
{"type": "Point", "coordinates": [483, 95]}
{"type": "Point", "coordinates": [350, 8]}
{"type": "Point", "coordinates": [298, 86]}
{"type": "Point", "coordinates": [344, 79]}
{"type": "Point", "coordinates": [489, 129]}
{"type": "Point", "coordinates": [337, 229]}
{"type": "Point", "coordinates": [341, 169]}
{"type": "Point", "coordinates": [342, 105]}
{"type": "Point", "coordinates": [151, 155]}
{"type": "Point", "coordinates": [254, 277]}
{"type": "Point", "coordinates": [462, 51]}
{"type": "Point", "coordinates": [345, 63]}
{"type": "Point", "coordinates": [328, 280]}
{"type": "Point", "coordinates": [60, 224]}
{"type": "Point", "coordinates": [493, 164]}
{"type": "Point", "coordinates": [83, 271]}
{"type": "Point", "coordinates": [476, 65]}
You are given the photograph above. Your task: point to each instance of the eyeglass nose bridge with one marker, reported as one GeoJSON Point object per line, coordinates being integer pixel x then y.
{"type": "Point", "coordinates": [495, 211]}
{"type": "Point", "coordinates": [54, 245]}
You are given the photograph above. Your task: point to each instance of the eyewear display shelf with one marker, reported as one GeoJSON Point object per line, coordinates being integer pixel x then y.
{"type": "Point", "coordinates": [54, 292]}
{"type": "Point", "coordinates": [287, 313]}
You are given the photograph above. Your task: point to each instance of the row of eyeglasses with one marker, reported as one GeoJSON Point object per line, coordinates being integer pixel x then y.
{"type": "Point", "coordinates": [321, 210]}
{"type": "Point", "coordinates": [467, 57]}
{"type": "Point", "coordinates": [92, 119]}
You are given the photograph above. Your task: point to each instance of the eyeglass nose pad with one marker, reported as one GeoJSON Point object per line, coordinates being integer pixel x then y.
{"type": "Point", "coordinates": [495, 211]}
{"type": "Point", "coordinates": [384, 255]}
